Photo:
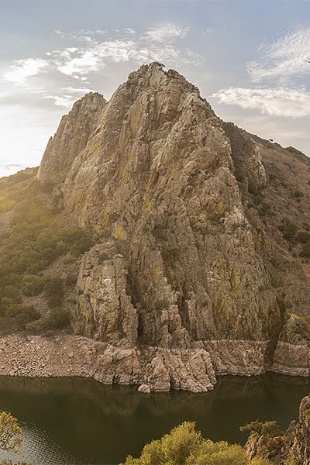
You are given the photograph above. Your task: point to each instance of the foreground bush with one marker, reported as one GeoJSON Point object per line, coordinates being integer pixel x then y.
{"type": "Point", "coordinates": [185, 446]}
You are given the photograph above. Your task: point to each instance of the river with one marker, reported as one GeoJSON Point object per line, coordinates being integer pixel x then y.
{"type": "Point", "coordinates": [70, 421]}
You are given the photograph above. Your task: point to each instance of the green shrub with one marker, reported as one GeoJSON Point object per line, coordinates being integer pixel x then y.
{"type": "Point", "coordinates": [267, 428]}
{"type": "Point", "coordinates": [294, 150]}
{"type": "Point", "coordinates": [103, 257]}
{"type": "Point", "coordinates": [70, 280]}
{"type": "Point", "coordinates": [305, 251]}
{"type": "Point", "coordinates": [170, 255]}
{"type": "Point", "coordinates": [185, 446]}
{"type": "Point", "coordinates": [303, 237]}
{"type": "Point", "coordinates": [78, 241]}
{"type": "Point", "coordinates": [23, 313]}
{"type": "Point", "coordinates": [33, 285]}
{"type": "Point", "coordinates": [8, 325]}
{"type": "Point", "coordinates": [289, 230]}
{"type": "Point", "coordinates": [16, 317]}
{"type": "Point", "coordinates": [36, 238]}
{"type": "Point", "coordinates": [58, 318]}
{"type": "Point", "coordinates": [54, 292]}
{"type": "Point", "coordinates": [6, 204]}
{"type": "Point", "coordinates": [160, 305]}
{"type": "Point", "coordinates": [11, 292]}
{"type": "Point", "coordinates": [218, 453]}
{"type": "Point", "coordinates": [260, 203]}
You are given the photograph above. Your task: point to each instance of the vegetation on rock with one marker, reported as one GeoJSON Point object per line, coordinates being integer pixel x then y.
{"type": "Point", "coordinates": [36, 235]}
{"type": "Point", "coordinates": [186, 446]}
{"type": "Point", "coordinates": [202, 237]}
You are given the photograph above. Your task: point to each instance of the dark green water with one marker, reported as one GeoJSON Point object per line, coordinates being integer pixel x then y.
{"type": "Point", "coordinates": [79, 421]}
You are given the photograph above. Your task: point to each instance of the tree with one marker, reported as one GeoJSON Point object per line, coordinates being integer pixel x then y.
{"type": "Point", "coordinates": [10, 433]}
{"type": "Point", "coordinates": [185, 446]}
{"type": "Point", "coordinates": [10, 437]}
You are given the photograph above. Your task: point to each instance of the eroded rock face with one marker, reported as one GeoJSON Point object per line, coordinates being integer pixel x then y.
{"type": "Point", "coordinates": [104, 310]}
{"type": "Point", "coordinates": [183, 260]}
{"type": "Point", "coordinates": [157, 178]}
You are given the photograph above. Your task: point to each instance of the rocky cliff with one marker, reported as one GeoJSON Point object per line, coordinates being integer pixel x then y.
{"type": "Point", "coordinates": [291, 447]}
{"type": "Point", "coordinates": [199, 265]}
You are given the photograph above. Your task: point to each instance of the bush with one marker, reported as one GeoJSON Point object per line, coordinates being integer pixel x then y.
{"type": "Point", "coordinates": [78, 241]}
{"type": "Point", "coordinates": [294, 150]}
{"type": "Point", "coordinates": [54, 292]}
{"type": "Point", "coordinates": [305, 251]}
{"type": "Point", "coordinates": [58, 318]}
{"type": "Point", "coordinates": [218, 453]}
{"type": "Point", "coordinates": [70, 280]}
{"type": "Point", "coordinates": [303, 237]}
{"type": "Point", "coordinates": [289, 230]}
{"type": "Point", "coordinates": [267, 428]}
{"type": "Point", "coordinates": [16, 317]}
{"type": "Point", "coordinates": [160, 305]}
{"type": "Point", "coordinates": [259, 202]}
{"type": "Point", "coordinates": [11, 292]}
{"type": "Point", "coordinates": [185, 446]}
{"type": "Point", "coordinates": [33, 285]}
{"type": "Point", "coordinates": [6, 204]}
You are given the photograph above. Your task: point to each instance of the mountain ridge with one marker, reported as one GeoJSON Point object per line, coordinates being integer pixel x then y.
{"type": "Point", "coordinates": [200, 264]}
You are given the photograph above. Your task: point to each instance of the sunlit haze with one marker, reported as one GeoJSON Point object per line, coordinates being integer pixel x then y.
{"type": "Point", "coordinates": [250, 60]}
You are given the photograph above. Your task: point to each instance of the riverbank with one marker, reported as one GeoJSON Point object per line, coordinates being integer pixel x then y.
{"type": "Point", "coordinates": [156, 368]}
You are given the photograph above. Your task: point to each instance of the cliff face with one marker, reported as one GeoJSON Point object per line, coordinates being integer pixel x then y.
{"type": "Point", "coordinates": [188, 250]}
{"type": "Point", "coordinates": [291, 447]}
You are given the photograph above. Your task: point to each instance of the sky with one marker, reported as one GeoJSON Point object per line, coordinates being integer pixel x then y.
{"type": "Point", "coordinates": [249, 58]}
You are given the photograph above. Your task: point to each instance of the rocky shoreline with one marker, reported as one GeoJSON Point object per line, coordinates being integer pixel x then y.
{"type": "Point", "coordinates": [149, 368]}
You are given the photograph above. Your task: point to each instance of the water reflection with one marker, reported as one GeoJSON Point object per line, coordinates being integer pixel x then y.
{"type": "Point", "coordinates": [79, 421]}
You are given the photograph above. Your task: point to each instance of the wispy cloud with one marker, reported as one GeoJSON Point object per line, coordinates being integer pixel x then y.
{"type": "Point", "coordinates": [292, 103]}
{"type": "Point", "coordinates": [287, 56]}
{"type": "Point", "coordinates": [65, 101]}
{"type": "Point", "coordinates": [22, 70]}
{"type": "Point", "coordinates": [166, 32]}
{"type": "Point", "coordinates": [6, 169]}
{"type": "Point", "coordinates": [281, 65]}
{"type": "Point", "coordinates": [87, 53]}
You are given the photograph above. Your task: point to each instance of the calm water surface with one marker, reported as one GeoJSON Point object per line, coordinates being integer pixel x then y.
{"type": "Point", "coordinates": [78, 421]}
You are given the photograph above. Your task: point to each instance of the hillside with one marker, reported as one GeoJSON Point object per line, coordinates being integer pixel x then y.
{"type": "Point", "coordinates": [180, 243]}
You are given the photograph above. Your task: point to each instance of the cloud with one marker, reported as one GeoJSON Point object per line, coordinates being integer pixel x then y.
{"type": "Point", "coordinates": [65, 101]}
{"type": "Point", "coordinates": [166, 32]}
{"type": "Point", "coordinates": [286, 57]}
{"type": "Point", "coordinates": [87, 53]}
{"type": "Point", "coordinates": [293, 103]}
{"type": "Point", "coordinates": [22, 70]}
{"type": "Point", "coordinates": [87, 61]}
{"type": "Point", "coordinates": [6, 169]}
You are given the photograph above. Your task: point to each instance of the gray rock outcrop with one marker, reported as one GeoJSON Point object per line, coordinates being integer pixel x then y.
{"type": "Point", "coordinates": [187, 279]}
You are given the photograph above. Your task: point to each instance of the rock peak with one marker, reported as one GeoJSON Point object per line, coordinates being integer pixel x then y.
{"type": "Point", "coordinates": [173, 194]}
{"type": "Point", "coordinates": [154, 75]}
{"type": "Point", "coordinates": [71, 137]}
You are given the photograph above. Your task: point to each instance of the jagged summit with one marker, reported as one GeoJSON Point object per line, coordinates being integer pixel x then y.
{"type": "Point", "coordinates": [157, 177]}
{"type": "Point", "coordinates": [71, 137]}
{"type": "Point", "coordinates": [155, 91]}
